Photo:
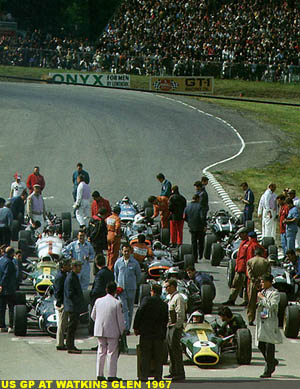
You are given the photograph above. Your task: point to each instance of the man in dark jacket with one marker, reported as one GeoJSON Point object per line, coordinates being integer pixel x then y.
{"type": "Point", "coordinates": [8, 286]}
{"type": "Point", "coordinates": [61, 315]}
{"type": "Point", "coordinates": [103, 277]}
{"type": "Point", "coordinates": [73, 304]}
{"type": "Point", "coordinates": [150, 323]}
{"type": "Point", "coordinates": [177, 204]}
{"type": "Point", "coordinates": [17, 206]}
{"type": "Point", "coordinates": [201, 278]}
{"type": "Point", "coordinates": [193, 215]}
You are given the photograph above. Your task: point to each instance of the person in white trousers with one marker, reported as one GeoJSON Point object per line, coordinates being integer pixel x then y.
{"type": "Point", "coordinates": [82, 203]}
{"type": "Point", "coordinates": [267, 209]}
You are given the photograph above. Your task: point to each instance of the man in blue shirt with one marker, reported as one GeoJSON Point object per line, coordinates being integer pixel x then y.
{"type": "Point", "coordinates": [295, 261]}
{"type": "Point", "coordinates": [17, 206]}
{"type": "Point", "coordinates": [6, 219]}
{"type": "Point", "coordinates": [166, 186]}
{"type": "Point", "coordinates": [291, 222]}
{"type": "Point", "coordinates": [76, 173]}
{"type": "Point", "coordinates": [248, 200]}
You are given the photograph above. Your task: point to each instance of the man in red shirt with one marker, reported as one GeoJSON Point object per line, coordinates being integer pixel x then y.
{"type": "Point", "coordinates": [283, 212]}
{"type": "Point", "coordinates": [99, 203]}
{"type": "Point", "coordinates": [239, 279]}
{"type": "Point", "coordinates": [35, 178]}
{"type": "Point", "coordinates": [253, 243]}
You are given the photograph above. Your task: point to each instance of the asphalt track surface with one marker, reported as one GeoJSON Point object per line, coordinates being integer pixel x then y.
{"type": "Point", "coordinates": [123, 139]}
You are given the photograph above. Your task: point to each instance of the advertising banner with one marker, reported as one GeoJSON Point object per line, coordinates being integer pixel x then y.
{"type": "Point", "coordinates": [110, 80]}
{"type": "Point", "coordinates": [182, 84]}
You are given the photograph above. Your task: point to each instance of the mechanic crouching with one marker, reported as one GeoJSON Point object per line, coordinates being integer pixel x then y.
{"type": "Point", "coordinates": [231, 322]}
{"type": "Point", "coordinates": [201, 278]}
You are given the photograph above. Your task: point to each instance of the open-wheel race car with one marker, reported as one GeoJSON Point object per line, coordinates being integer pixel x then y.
{"type": "Point", "coordinates": [204, 347]}
{"type": "Point", "coordinates": [128, 210]}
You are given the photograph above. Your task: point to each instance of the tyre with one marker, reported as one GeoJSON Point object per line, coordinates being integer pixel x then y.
{"type": "Point", "coordinates": [147, 205]}
{"type": "Point", "coordinates": [249, 225]}
{"type": "Point", "coordinates": [183, 250]}
{"type": "Point", "coordinates": [20, 320]}
{"type": "Point", "coordinates": [230, 271]}
{"type": "Point", "coordinates": [291, 321]}
{"type": "Point", "coordinates": [273, 252]}
{"type": "Point", "coordinates": [144, 291]}
{"type": "Point", "coordinates": [15, 228]}
{"type": "Point", "coordinates": [267, 241]}
{"type": "Point", "coordinates": [66, 216]}
{"type": "Point", "coordinates": [165, 236]}
{"type": "Point", "coordinates": [208, 241]}
{"type": "Point", "coordinates": [244, 346]}
{"type": "Point", "coordinates": [217, 254]}
{"type": "Point", "coordinates": [188, 260]}
{"type": "Point", "coordinates": [20, 298]}
{"type": "Point", "coordinates": [283, 302]}
{"type": "Point", "coordinates": [23, 234]}
{"type": "Point", "coordinates": [23, 246]}
{"type": "Point", "coordinates": [66, 227]}
{"type": "Point", "coordinates": [240, 219]}
{"type": "Point", "coordinates": [206, 298]}
{"type": "Point", "coordinates": [148, 212]}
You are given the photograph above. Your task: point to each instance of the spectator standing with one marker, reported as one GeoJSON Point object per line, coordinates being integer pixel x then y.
{"type": "Point", "coordinates": [257, 267]}
{"type": "Point", "coordinates": [113, 237]}
{"type": "Point", "coordinates": [36, 210]}
{"type": "Point", "coordinates": [8, 286]}
{"type": "Point", "coordinates": [150, 323]}
{"type": "Point", "coordinates": [103, 277]}
{"type": "Point", "coordinates": [17, 187]}
{"type": "Point", "coordinates": [267, 332]}
{"type": "Point", "coordinates": [17, 206]}
{"type": "Point", "coordinates": [267, 209]}
{"type": "Point", "coordinates": [61, 315]}
{"type": "Point", "coordinates": [248, 200]}
{"type": "Point", "coordinates": [166, 186]}
{"type": "Point", "coordinates": [82, 251]}
{"type": "Point", "coordinates": [82, 203]}
{"type": "Point", "coordinates": [35, 178]}
{"type": "Point", "coordinates": [127, 276]}
{"type": "Point", "coordinates": [204, 197]}
{"type": "Point", "coordinates": [109, 326]}
{"type": "Point", "coordinates": [161, 208]}
{"type": "Point", "coordinates": [98, 203]}
{"type": "Point", "coordinates": [177, 204]}
{"type": "Point", "coordinates": [193, 215]}
{"type": "Point", "coordinates": [77, 172]}
{"type": "Point", "coordinates": [17, 260]}
{"type": "Point", "coordinates": [176, 318]}
{"type": "Point", "coordinates": [291, 222]}
{"type": "Point", "coordinates": [6, 218]}
{"type": "Point", "coordinates": [73, 304]}
{"type": "Point", "coordinates": [283, 212]}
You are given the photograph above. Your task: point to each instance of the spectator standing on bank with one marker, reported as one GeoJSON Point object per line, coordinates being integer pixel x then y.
{"type": "Point", "coordinates": [77, 172]}
{"type": "Point", "coordinates": [73, 305]}
{"type": "Point", "coordinates": [283, 212]}
{"type": "Point", "coordinates": [166, 186]}
{"type": "Point", "coordinates": [267, 332]}
{"type": "Point", "coordinates": [127, 272]}
{"type": "Point", "coordinates": [291, 222]}
{"type": "Point", "coordinates": [98, 203]}
{"type": "Point", "coordinates": [82, 203]}
{"type": "Point", "coordinates": [193, 215]}
{"type": "Point", "coordinates": [109, 326]}
{"type": "Point", "coordinates": [150, 323]}
{"type": "Point", "coordinates": [248, 201]}
{"type": "Point", "coordinates": [36, 210]}
{"type": "Point", "coordinates": [113, 237]}
{"type": "Point", "coordinates": [17, 187]}
{"type": "Point", "coordinates": [61, 315]}
{"type": "Point", "coordinates": [6, 218]}
{"type": "Point", "coordinates": [176, 318]}
{"type": "Point", "coordinates": [177, 204]}
{"type": "Point", "coordinates": [267, 209]}
{"type": "Point", "coordinates": [35, 178]}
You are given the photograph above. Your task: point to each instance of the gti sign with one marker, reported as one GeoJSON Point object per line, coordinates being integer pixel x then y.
{"type": "Point", "coordinates": [111, 80]}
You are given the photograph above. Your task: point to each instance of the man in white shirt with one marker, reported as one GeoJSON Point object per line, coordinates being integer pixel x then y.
{"type": "Point", "coordinates": [82, 203]}
{"type": "Point", "coordinates": [267, 209]}
{"type": "Point", "coordinates": [17, 187]}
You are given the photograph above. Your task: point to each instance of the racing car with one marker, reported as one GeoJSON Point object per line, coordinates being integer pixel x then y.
{"type": "Point", "coordinates": [204, 347]}
{"type": "Point", "coordinates": [128, 210]}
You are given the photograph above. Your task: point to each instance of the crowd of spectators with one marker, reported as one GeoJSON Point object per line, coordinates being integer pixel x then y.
{"type": "Point", "coordinates": [247, 39]}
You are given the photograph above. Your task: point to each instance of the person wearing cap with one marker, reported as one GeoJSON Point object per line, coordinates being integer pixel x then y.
{"type": "Point", "coordinates": [267, 210]}
{"type": "Point", "coordinates": [177, 204]}
{"type": "Point", "coordinates": [17, 187]}
{"type": "Point", "coordinates": [253, 243]}
{"type": "Point", "coordinates": [296, 201]}
{"type": "Point", "coordinates": [267, 332]}
{"type": "Point", "coordinates": [6, 218]}
{"type": "Point", "coordinates": [82, 203]}
{"type": "Point", "coordinates": [161, 208]}
{"type": "Point", "coordinates": [98, 203]}
{"type": "Point", "coordinates": [113, 237]}
{"type": "Point", "coordinates": [166, 186]}
{"type": "Point", "coordinates": [73, 304]}
{"type": "Point", "coordinates": [77, 172]}
{"type": "Point", "coordinates": [283, 212]}
{"type": "Point", "coordinates": [61, 316]}
{"type": "Point", "coordinates": [239, 279]}
{"type": "Point", "coordinates": [257, 266]}
{"type": "Point", "coordinates": [291, 222]}
{"type": "Point", "coordinates": [248, 201]}
{"type": "Point", "coordinates": [83, 251]}
{"type": "Point", "coordinates": [36, 206]}
{"type": "Point", "coordinates": [35, 178]}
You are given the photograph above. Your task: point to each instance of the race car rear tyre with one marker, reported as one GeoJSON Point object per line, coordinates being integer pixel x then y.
{"type": "Point", "coordinates": [66, 216]}
{"type": "Point", "coordinates": [15, 228]}
{"type": "Point", "coordinates": [230, 271]}
{"type": "Point", "coordinates": [20, 320]}
{"type": "Point", "coordinates": [148, 212]}
{"type": "Point", "coordinates": [188, 261]}
{"type": "Point", "coordinates": [24, 234]}
{"type": "Point", "coordinates": [217, 254]}
{"type": "Point", "coordinates": [23, 246]}
{"type": "Point", "coordinates": [291, 321]}
{"type": "Point", "coordinates": [283, 302]}
{"type": "Point", "coordinates": [273, 252]}
{"type": "Point", "coordinates": [66, 227]}
{"type": "Point", "coordinates": [20, 298]}
{"type": "Point", "coordinates": [165, 236]}
{"type": "Point", "coordinates": [147, 204]}
{"type": "Point", "coordinates": [206, 298]}
{"type": "Point", "coordinates": [249, 225]}
{"type": "Point", "coordinates": [244, 346]}
{"type": "Point", "coordinates": [208, 241]}
{"type": "Point", "coordinates": [267, 241]}
{"type": "Point", "coordinates": [144, 291]}
{"type": "Point", "coordinates": [183, 250]}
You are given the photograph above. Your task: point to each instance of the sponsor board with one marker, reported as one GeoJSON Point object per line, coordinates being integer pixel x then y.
{"type": "Point", "coordinates": [182, 84]}
{"type": "Point", "coordinates": [110, 80]}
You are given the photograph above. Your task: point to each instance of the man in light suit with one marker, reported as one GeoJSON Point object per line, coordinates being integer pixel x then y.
{"type": "Point", "coordinates": [109, 325]}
